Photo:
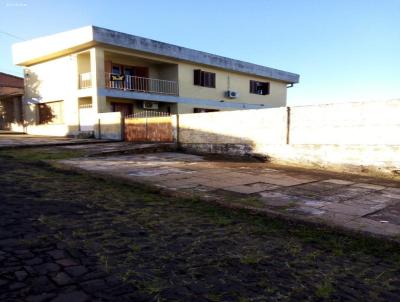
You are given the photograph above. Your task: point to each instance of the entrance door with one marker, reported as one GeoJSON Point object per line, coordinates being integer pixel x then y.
{"type": "Point", "coordinates": [129, 80]}
{"type": "Point", "coordinates": [125, 108]}
{"type": "Point", "coordinates": [142, 80]}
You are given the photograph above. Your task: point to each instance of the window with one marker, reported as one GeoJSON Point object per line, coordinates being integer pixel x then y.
{"type": "Point", "coordinates": [203, 110]}
{"type": "Point", "coordinates": [116, 69]}
{"type": "Point", "coordinates": [51, 113]}
{"type": "Point", "coordinates": [204, 78]}
{"type": "Point", "coordinates": [261, 88]}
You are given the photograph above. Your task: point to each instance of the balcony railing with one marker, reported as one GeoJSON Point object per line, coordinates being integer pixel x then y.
{"type": "Point", "coordinates": [141, 84]}
{"type": "Point", "coordinates": [85, 80]}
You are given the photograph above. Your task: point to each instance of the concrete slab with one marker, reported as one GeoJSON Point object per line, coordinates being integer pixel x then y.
{"type": "Point", "coordinates": [339, 181]}
{"type": "Point", "coordinates": [369, 186]}
{"type": "Point", "coordinates": [285, 181]}
{"type": "Point", "coordinates": [252, 188]}
{"type": "Point", "coordinates": [367, 204]}
{"type": "Point", "coordinates": [24, 141]}
{"type": "Point", "coordinates": [347, 209]}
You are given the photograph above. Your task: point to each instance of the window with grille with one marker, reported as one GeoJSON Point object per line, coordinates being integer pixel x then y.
{"type": "Point", "coordinates": [204, 78]}
{"type": "Point", "coordinates": [261, 88]}
{"type": "Point", "coordinates": [204, 110]}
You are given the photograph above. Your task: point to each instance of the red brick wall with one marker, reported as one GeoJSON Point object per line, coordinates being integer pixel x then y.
{"type": "Point", "coordinates": [7, 80]}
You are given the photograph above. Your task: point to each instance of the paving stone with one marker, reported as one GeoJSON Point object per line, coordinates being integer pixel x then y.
{"type": "Point", "coordinates": [76, 296]}
{"type": "Point", "coordinates": [41, 297]}
{"type": "Point", "coordinates": [67, 262]}
{"type": "Point", "coordinates": [299, 192]}
{"type": "Point", "coordinates": [306, 210]}
{"type": "Point", "coordinates": [334, 218]}
{"type": "Point", "coordinates": [226, 182]}
{"type": "Point", "coordinates": [57, 254]}
{"type": "Point", "coordinates": [346, 193]}
{"type": "Point", "coordinates": [21, 275]}
{"type": "Point", "coordinates": [41, 284]}
{"type": "Point", "coordinates": [93, 285]}
{"type": "Point", "coordinates": [94, 275]}
{"type": "Point", "coordinates": [29, 270]}
{"type": "Point", "coordinates": [76, 271]}
{"type": "Point", "coordinates": [3, 282]}
{"type": "Point", "coordinates": [369, 186]}
{"type": "Point", "coordinates": [251, 188]}
{"type": "Point", "coordinates": [390, 214]}
{"type": "Point", "coordinates": [62, 279]}
{"type": "Point", "coordinates": [339, 181]}
{"type": "Point", "coordinates": [284, 181]}
{"type": "Point", "coordinates": [375, 227]}
{"type": "Point", "coordinates": [16, 286]}
{"type": "Point", "coordinates": [276, 199]}
{"type": "Point", "coordinates": [392, 192]}
{"type": "Point", "coordinates": [346, 209]}
{"type": "Point", "coordinates": [46, 268]}
{"type": "Point", "coordinates": [320, 186]}
{"type": "Point", "coordinates": [311, 203]}
{"type": "Point", "coordinates": [34, 261]}
{"type": "Point", "coordinates": [368, 205]}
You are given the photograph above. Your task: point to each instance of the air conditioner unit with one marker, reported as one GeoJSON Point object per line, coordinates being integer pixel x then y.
{"type": "Point", "coordinates": [231, 94]}
{"type": "Point", "coordinates": [150, 105]}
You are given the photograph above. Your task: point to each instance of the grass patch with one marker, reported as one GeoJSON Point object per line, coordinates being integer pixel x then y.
{"type": "Point", "coordinates": [250, 259]}
{"type": "Point", "coordinates": [252, 202]}
{"type": "Point", "coordinates": [40, 154]}
{"type": "Point", "coordinates": [324, 290]}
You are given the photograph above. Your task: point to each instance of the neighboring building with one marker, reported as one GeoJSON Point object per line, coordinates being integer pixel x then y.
{"type": "Point", "coordinates": [72, 76]}
{"type": "Point", "coordinates": [11, 91]}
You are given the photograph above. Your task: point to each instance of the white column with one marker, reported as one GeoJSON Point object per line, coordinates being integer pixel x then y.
{"type": "Point", "coordinates": [97, 71]}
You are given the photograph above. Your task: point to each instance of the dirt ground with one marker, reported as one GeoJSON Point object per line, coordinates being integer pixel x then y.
{"type": "Point", "coordinates": [66, 236]}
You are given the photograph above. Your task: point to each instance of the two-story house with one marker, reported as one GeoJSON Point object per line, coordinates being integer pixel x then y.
{"type": "Point", "coordinates": [72, 76]}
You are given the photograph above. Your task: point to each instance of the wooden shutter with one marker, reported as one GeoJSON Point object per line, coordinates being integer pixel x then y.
{"type": "Point", "coordinates": [107, 66]}
{"type": "Point", "coordinates": [253, 86]}
{"type": "Point", "coordinates": [206, 79]}
{"type": "Point", "coordinates": [197, 77]}
{"type": "Point", "coordinates": [212, 83]}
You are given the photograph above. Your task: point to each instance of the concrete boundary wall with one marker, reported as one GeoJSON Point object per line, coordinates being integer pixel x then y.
{"type": "Point", "coordinates": [109, 126]}
{"type": "Point", "coordinates": [352, 137]}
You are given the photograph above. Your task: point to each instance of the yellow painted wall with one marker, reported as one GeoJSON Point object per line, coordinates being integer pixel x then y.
{"type": "Point", "coordinates": [226, 80]}
{"type": "Point", "coordinates": [83, 62]}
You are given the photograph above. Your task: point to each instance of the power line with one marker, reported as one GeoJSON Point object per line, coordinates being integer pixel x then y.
{"type": "Point", "coordinates": [12, 36]}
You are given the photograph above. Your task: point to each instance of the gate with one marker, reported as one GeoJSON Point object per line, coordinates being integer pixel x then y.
{"type": "Point", "coordinates": [86, 117]}
{"type": "Point", "coordinates": [149, 126]}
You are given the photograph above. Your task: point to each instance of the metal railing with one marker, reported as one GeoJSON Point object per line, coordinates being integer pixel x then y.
{"type": "Point", "coordinates": [85, 80]}
{"type": "Point", "coordinates": [141, 84]}
{"type": "Point", "coordinates": [148, 113]}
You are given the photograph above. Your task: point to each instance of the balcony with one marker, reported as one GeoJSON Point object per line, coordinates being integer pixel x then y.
{"type": "Point", "coordinates": [85, 80]}
{"type": "Point", "coordinates": [141, 84]}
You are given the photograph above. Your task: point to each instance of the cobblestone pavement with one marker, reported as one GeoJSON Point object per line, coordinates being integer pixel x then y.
{"type": "Point", "coordinates": [70, 237]}
{"type": "Point", "coordinates": [354, 202]}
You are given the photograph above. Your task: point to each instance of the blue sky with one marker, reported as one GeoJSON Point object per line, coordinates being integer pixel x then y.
{"type": "Point", "coordinates": [343, 50]}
